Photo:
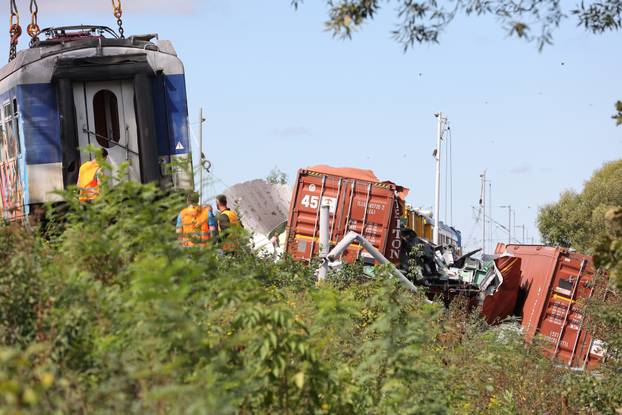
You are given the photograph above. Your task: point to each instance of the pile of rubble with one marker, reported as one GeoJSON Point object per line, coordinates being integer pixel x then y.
{"type": "Point", "coordinates": [546, 288]}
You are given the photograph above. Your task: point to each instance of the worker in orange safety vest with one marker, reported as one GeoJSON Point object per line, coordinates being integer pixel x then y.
{"type": "Point", "coordinates": [196, 223]}
{"type": "Point", "coordinates": [227, 219]}
{"type": "Point", "coordinates": [89, 178]}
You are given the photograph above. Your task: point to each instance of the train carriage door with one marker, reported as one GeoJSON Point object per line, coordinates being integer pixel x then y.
{"type": "Point", "coordinates": [106, 118]}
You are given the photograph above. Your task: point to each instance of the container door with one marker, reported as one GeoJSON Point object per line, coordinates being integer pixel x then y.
{"type": "Point", "coordinates": [562, 322]}
{"type": "Point", "coordinates": [106, 118]}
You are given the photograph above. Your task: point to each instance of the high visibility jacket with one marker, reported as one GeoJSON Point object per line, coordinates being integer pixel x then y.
{"type": "Point", "coordinates": [234, 221]}
{"type": "Point", "coordinates": [88, 182]}
{"type": "Point", "coordinates": [233, 217]}
{"type": "Point", "coordinates": [194, 226]}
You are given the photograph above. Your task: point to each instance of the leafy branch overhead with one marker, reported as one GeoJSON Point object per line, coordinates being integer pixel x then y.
{"type": "Point", "coordinates": [424, 21]}
{"type": "Point", "coordinates": [618, 116]}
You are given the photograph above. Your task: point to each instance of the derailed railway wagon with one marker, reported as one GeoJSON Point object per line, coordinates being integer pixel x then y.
{"type": "Point", "coordinates": [556, 286]}
{"type": "Point", "coordinates": [85, 86]}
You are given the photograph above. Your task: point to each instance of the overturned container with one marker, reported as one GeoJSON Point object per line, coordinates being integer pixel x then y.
{"type": "Point", "coordinates": [556, 286]}
{"type": "Point", "coordinates": [358, 201]}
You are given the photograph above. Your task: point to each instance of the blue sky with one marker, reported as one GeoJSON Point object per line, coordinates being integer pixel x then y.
{"type": "Point", "coordinates": [279, 91]}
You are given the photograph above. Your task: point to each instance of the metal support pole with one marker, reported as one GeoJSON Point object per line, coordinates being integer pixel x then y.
{"type": "Point", "coordinates": [509, 208]}
{"type": "Point", "coordinates": [352, 237]}
{"type": "Point", "coordinates": [324, 240]}
{"type": "Point", "coordinates": [510, 224]}
{"type": "Point", "coordinates": [201, 156]}
{"type": "Point", "coordinates": [437, 187]}
{"type": "Point", "coordinates": [514, 222]}
{"type": "Point", "coordinates": [490, 220]}
{"type": "Point", "coordinates": [483, 206]}
{"type": "Point", "coordinates": [523, 240]}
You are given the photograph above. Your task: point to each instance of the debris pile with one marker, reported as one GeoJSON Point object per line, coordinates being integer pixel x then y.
{"type": "Point", "coordinates": [546, 288]}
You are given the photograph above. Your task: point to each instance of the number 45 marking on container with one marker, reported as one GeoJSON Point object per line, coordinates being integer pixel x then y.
{"type": "Point", "coordinates": [313, 202]}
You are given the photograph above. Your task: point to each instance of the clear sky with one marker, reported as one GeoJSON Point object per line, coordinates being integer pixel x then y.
{"type": "Point", "coordinates": [279, 91]}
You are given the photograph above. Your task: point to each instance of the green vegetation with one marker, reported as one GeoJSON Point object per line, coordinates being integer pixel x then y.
{"type": "Point", "coordinates": [107, 314]}
{"type": "Point", "coordinates": [424, 21]}
{"type": "Point", "coordinates": [578, 220]}
{"type": "Point", "coordinates": [591, 221]}
{"type": "Point", "coordinates": [277, 176]}
{"type": "Point", "coordinates": [618, 115]}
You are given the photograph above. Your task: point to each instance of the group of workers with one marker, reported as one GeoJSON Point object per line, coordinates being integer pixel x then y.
{"type": "Point", "coordinates": [196, 224]}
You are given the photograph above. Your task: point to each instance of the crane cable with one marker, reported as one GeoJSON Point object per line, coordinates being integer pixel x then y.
{"type": "Point", "coordinates": [118, 14]}
{"type": "Point", "coordinates": [15, 30]}
{"type": "Point", "coordinates": [33, 28]}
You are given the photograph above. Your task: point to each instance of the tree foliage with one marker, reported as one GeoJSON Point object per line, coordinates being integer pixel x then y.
{"type": "Point", "coordinates": [277, 176]}
{"type": "Point", "coordinates": [618, 115]}
{"type": "Point", "coordinates": [424, 21]}
{"type": "Point", "coordinates": [609, 250]}
{"type": "Point", "coordinates": [578, 220]}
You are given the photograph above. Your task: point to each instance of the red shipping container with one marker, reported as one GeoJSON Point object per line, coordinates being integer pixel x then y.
{"type": "Point", "coordinates": [358, 202]}
{"type": "Point", "coordinates": [556, 285]}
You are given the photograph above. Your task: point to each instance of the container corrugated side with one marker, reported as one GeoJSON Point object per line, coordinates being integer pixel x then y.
{"type": "Point", "coordinates": [556, 287]}
{"type": "Point", "coordinates": [356, 205]}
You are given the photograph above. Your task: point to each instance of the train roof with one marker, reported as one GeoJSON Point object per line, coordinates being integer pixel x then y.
{"type": "Point", "coordinates": [59, 40]}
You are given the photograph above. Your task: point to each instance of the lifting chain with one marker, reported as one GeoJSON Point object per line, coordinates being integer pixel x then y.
{"type": "Point", "coordinates": [15, 30]}
{"type": "Point", "coordinates": [33, 28]}
{"type": "Point", "coordinates": [118, 13]}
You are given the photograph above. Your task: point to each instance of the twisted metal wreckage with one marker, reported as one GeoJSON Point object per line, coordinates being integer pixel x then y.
{"type": "Point", "coordinates": [265, 207]}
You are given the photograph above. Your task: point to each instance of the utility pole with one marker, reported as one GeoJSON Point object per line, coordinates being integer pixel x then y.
{"type": "Point", "coordinates": [201, 121]}
{"type": "Point", "coordinates": [520, 227]}
{"type": "Point", "coordinates": [482, 203]}
{"type": "Point", "coordinates": [509, 208]}
{"type": "Point", "coordinates": [524, 234]}
{"type": "Point", "coordinates": [490, 219]}
{"type": "Point", "coordinates": [437, 188]}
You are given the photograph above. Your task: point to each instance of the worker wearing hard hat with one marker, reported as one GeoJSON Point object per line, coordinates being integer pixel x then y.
{"type": "Point", "coordinates": [89, 178]}
{"type": "Point", "coordinates": [196, 224]}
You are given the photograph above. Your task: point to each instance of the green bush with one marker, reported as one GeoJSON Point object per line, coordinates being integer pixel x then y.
{"type": "Point", "coordinates": [104, 313]}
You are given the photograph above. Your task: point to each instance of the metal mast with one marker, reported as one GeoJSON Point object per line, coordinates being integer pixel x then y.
{"type": "Point", "coordinates": [437, 188]}
{"type": "Point", "coordinates": [482, 203]}
{"type": "Point", "coordinates": [509, 208]}
{"type": "Point", "coordinates": [201, 121]}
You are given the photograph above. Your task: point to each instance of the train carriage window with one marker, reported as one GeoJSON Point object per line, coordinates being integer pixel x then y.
{"type": "Point", "coordinates": [3, 143]}
{"type": "Point", "coordinates": [15, 125]}
{"type": "Point", "coordinates": [106, 113]}
{"type": "Point", "coordinates": [10, 129]}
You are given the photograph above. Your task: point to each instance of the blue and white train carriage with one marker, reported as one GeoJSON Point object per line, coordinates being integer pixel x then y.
{"type": "Point", "coordinates": [85, 86]}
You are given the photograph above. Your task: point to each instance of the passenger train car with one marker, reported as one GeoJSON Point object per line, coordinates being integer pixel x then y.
{"type": "Point", "coordinates": [82, 86]}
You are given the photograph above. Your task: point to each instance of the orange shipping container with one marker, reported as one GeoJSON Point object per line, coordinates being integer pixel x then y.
{"type": "Point", "coordinates": [556, 284]}
{"type": "Point", "coordinates": [358, 202]}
